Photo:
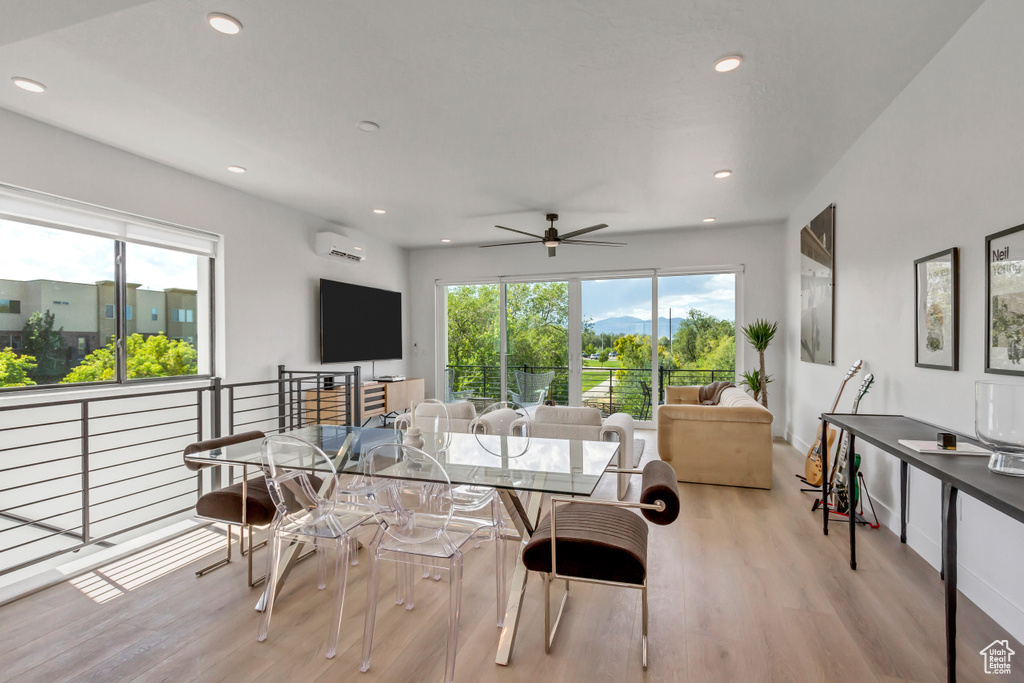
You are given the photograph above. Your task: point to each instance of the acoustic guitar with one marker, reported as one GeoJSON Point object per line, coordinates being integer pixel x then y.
{"type": "Point", "coordinates": [840, 500]}
{"type": "Point", "coordinates": [812, 465]}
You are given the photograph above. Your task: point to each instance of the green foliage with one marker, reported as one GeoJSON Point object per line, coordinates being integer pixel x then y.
{"type": "Point", "coordinates": [703, 342]}
{"type": "Point", "coordinates": [155, 356]}
{"type": "Point", "coordinates": [751, 380]}
{"type": "Point", "coordinates": [760, 334]}
{"type": "Point", "coordinates": [44, 344]}
{"type": "Point", "coordinates": [15, 369]}
{"type": "Point", "coordinates": [538, 324]}
{"type": "Point", "coordinates": [602, 357]}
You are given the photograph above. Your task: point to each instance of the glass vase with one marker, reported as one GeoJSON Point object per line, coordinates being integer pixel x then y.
{"type": "Point", "coordinates": [999, 424]}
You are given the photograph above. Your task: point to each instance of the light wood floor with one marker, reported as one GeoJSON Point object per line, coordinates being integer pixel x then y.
{"type": "Point", "coordinates": [743, 587]}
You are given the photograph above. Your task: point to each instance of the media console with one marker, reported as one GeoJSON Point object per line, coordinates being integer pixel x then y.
{"type": "Point", "coordinates": [377, 398]}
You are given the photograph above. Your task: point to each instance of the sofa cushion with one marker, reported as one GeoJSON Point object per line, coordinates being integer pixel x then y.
{"type": "Point", "coordinates": [734, 397]}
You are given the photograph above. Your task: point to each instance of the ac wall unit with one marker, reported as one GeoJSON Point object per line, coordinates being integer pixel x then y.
{"type": "Point", "coordinates": [333, 245]}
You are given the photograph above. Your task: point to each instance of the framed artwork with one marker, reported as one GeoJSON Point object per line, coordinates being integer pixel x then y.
{"type": "Point", "coordinates": [937, 312]}
{"type": "Point", "coordinates": [817, 294]}
{"type": "Point", "coordinates": [1004, 302]}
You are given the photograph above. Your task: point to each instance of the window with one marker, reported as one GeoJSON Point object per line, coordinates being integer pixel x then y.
{"type": "Point", "coordinates": [87, 302]}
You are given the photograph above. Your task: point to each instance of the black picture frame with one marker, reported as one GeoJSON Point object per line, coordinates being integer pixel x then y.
{"type": "Point", "coordinates": [1004, 302]}
{"type": "Point", "coordinates": [937, 310]}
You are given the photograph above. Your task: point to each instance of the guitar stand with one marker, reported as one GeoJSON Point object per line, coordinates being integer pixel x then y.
{"type": "Point", "coordinates": [813, 489]}
{"type": "Point", "coordinates": [858, 515]}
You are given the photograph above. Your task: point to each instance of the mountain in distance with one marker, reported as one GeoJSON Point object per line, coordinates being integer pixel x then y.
{"type": "Point", "coordinates": [628, 324]}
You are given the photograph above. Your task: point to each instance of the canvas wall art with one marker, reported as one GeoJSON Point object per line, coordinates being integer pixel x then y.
{"type": "Point", "coordinates": [1004, 287]}
{"type": "Point", "coordinates": [937, 314]}
{"type": "Point", "coordinates": [817, 255]}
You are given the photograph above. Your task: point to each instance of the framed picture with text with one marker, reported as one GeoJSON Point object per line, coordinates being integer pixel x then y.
{"type": "Point", "coordinates": [1004, 302]}
{"type": "Point", "coordinates": [937, 310]}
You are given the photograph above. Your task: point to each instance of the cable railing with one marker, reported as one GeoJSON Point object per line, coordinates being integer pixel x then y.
{"type": "Point", "coordinates": [610, 389]}
{"type": "Point", "coordinates": [96, 471]}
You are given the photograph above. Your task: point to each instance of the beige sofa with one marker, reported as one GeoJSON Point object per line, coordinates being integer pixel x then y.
{"type": "Point", "coordinates": [730, 443]}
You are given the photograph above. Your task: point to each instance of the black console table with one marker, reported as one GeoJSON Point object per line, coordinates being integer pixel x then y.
{"type": "Point", "coordinates": [966, 473]}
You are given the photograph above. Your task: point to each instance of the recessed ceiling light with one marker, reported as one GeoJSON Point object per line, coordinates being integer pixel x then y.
{"type": "Point", "coordinates": [368, 126]}
{"type": "Point", "coordinates": [236, 169]}
{"type": "Point", "coordinates": [28, 84]}
{"type": "Point", "coordinates": [445, 240]}
{"type": "Point", "coordinates": [357, 248]}
{"type": "Point", "coordinates": [709, 219]}
{"type": "Point", "coordinates": [224, 23]}
{"type": "Point", "coordinates": [728, 63]}
{"type": "Point", "coordinates": [379, 211]}
{"type": "Point", "coordinates": [724, 173]}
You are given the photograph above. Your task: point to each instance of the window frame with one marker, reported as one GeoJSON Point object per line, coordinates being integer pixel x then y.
{"type": "Point", "coordinates": [13, 203]}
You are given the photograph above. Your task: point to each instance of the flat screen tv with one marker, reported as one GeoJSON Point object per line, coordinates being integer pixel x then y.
{"type": "Point", "coordinates": [359, 323]}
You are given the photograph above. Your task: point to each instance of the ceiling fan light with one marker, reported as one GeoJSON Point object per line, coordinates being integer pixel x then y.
{"type": "Point", "coordinates": [551, 244]}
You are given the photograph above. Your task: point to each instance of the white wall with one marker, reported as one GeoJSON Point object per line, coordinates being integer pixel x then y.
{"type": "Point", "coordinates": [271, 274]}
{"type": "Point", "coordinates": [941, 167]}
{"type": "Point", "coordinates": [758, 248]}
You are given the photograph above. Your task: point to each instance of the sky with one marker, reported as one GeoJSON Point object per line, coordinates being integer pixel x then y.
{"type": "Point", "coordinates": [33, 253]}
{"type": "Point", "coordinates": [714, 294]}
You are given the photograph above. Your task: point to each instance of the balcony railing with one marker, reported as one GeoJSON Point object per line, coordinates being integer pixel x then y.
{"type": "Point", "coordinates": [610, 389]}
{"type": "Point", "coordinates": [97, 471]}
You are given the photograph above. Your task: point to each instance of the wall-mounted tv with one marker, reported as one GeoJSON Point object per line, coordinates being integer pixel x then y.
{"type": "Point", "coordinates": [359, 323]}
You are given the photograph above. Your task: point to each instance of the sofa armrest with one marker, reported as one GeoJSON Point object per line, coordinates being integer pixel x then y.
{"type": "Point", "coordinates": [620, 424]}
{"type": "Point", "coordinates": [516, 429]}
{"type": "Point", "coordinates": [682, 395]}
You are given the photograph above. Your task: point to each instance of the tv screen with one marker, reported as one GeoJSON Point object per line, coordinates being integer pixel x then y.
{"type": "Point", "coordinates": [359, 323]}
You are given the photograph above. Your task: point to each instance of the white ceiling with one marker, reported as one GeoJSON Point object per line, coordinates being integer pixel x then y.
{"type": "Point", "coordinates": [490, 112]}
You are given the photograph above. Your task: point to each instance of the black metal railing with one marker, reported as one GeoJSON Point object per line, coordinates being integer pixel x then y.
{"type": "Point", "coordinates": [90, 471]}
{"type": "Point", "coordinates": [608, 388]}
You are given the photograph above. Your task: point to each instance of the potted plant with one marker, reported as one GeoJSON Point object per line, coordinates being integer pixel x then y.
{"type": "Point", "coordinates": [760, 334]}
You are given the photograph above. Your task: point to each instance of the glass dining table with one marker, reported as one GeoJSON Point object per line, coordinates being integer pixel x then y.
{"type": "Point", "coordinates": [521, 469]}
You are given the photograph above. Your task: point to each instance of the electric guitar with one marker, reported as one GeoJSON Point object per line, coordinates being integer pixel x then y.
{"type": "Point", "coordinates": [839, 471]}
{"type": "Point", "coordinates": [812, 466]}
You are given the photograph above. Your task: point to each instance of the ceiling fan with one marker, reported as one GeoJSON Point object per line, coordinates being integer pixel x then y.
{"type": "Point", "coordinates": [551, 238]}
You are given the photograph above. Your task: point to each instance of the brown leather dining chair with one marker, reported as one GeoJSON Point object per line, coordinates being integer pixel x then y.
{"type": "Point", "coordinates": [225, 506]}
{"type": "Point", "coordinates": [601, 541]}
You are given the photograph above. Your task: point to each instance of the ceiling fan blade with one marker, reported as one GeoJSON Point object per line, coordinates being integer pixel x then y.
{"type": "Point", "coordinates": [584, 231]}
{"type": "Point", "coordinates": [528, 234]}
{"type": "Point", "coordinates": [507, 244]}
{"type": "Point", "coordinates": [595, 244]}
{"type": "Point", "coordinates": [551, 251]}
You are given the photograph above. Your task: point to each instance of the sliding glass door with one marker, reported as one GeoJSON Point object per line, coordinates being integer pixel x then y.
{"type": "Point", "coordinates": [697, 329]}
{"type": "Point", "coordinates": [473, 363]}
{"type": "Point", "coordinates": [599, 341]}
{"type": "Point", "coordinates": [615, 343]}
{"type": "Point", "coordinates": [537, 342]}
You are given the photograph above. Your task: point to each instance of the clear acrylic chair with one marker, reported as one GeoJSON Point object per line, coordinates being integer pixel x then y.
{"type": "Point", "coordinates": [413, 527]}
{"type": "Point", "coordinates": [308, 510]}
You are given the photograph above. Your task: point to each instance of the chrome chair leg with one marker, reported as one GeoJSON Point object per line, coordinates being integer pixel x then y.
{"type": "Point", "coordinates": [219, 563]}
{"type": "Point", "coordinates": [644, 601]}
{"type": "Point", "coordinates": [549, 629]}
